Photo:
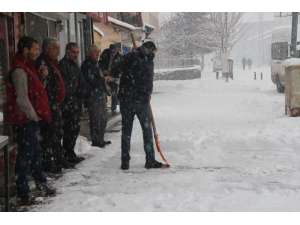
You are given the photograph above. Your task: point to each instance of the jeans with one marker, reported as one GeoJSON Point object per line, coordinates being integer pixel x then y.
{"type": "Point", "coordinates": [114, 100]}
{"type": "Point", "coordinates": [71, 114]}
{"type": "Point", "coordinates": [142, 111]}
{"type": "Point", "coordinates": [29, 154]}
{"type": "Point", "coordinates": [98, 121]}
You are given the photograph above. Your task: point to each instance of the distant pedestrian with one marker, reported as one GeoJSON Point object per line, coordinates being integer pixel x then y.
{"type": "Point", "coordinates": [244, 63]}
{"type": "Point", "coordinates": [27, 101]}
{"type": "Point", "coordinates": [249, 63]}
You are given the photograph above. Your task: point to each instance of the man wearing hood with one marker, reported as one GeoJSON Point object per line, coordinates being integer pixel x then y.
{"type": "Point", "coordinates": [136, 85]}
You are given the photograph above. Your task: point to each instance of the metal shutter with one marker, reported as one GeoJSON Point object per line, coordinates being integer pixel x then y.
{"type": "Point", "coordinates": [36, 27]}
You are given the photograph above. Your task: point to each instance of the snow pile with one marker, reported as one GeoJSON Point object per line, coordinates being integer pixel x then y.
{"type": "Point", "coordinates": [98, 30]}
{"type": "Point", "coordinates": [291, 62]}
{"type": "Point", "coordinates": [118, 22]}
{"type": "Point", "coordinates": [230, 146]}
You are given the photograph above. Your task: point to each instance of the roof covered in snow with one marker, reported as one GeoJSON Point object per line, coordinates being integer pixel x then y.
{"type": "Point", "coordinates": [148, 25]}
{"type": "Point", "coordinates": [120, 23]}
{"type": "Point", "coordinates": [98, 30]}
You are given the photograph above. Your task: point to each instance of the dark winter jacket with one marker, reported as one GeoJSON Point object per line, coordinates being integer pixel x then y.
{"type": "Point", "coordinates": [104, 63]}
{"type": "Point", "coordinates": [249, 61]}
{"type": "Point", "coordinates": [94, 83]}
{"type": "Point", "coordinates": [137, 70]}
{"type": "Point", "coordinates": [36, 93]}
{"type": "Point", "coordinates": [73, 79]}
{"type": "Point", "coordinates": [54, 84]}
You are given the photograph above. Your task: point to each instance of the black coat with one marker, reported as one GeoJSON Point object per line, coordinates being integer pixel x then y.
{"type": "Point", "coordinates": [94, 83]}
{"type": "Point", "coordinates": [137, 71]}
{"type": "Point", "coordinates": [73, 79]}
{"type": "Point", "coordinates": [52, 80]}
{"type": "Point", "coordinates": [104, 63]}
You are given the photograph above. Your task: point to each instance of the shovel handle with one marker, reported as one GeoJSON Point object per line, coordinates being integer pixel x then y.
{"type": "Point", "coordinates": [153, 122]}
{"type": "Point", "coordinates": [133, 39]}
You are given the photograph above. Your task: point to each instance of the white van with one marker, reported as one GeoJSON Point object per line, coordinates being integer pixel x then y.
{"type": "Point", "coordinates": [280, 50]}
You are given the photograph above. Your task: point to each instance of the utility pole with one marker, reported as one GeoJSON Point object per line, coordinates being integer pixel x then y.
{"type": "Point", "coordinates": [171, 47]}
{"type": "Point", "coordinates": [226, 32]}
{"type": "Point", "coordinates": [294, 34]}
{"type": "Point", "coordinates": [260, 39]}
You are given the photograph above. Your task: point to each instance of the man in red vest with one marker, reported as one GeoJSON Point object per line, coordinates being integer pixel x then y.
{"type": "Point", "coordinates": [27, 102]}
{"type": "Point", "coordinates": [51, 133]}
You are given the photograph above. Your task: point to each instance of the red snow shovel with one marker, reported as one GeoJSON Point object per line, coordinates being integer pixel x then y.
{"type": "Point", "coordinates": [156, 138]}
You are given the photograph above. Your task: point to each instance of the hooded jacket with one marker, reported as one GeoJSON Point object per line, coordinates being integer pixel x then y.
{"type": "Point", "coordinates": [137, 71]}
{"type": "Point", "coordinates": [104, 63]}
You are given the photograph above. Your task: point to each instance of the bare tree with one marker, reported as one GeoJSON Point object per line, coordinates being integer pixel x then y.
{"type": "Point", "coordinates": [188, 34]}
{"type": "Point", "coordinates": [227, 27]}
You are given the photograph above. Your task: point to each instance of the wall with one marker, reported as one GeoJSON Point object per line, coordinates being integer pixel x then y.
{"type": "Point", "coordinates": [97, 40]}
{"type": "Point", "coordinates": [110, 35]}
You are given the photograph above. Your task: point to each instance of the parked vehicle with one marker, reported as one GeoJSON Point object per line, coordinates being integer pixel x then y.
{"type": "Point", "coordinates": [280, 50]}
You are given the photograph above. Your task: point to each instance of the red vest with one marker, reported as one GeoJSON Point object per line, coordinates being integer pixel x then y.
{"type": "Point", "coordinates": [35, 89]}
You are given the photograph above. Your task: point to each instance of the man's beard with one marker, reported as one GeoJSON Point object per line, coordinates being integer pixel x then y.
{"type": "Point", "coordinates": [31, 56]}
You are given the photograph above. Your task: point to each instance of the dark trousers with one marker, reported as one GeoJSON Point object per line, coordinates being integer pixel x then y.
{"type": "Point", "coordinates": [244, 66]}
{"type": "Point", "coordinates": [29, 154]}
{"type": "Point", "coordinates": [142, 111]}
{"type": "Point", "coordinates": [114, 89]}
{"type": "Point", "coordinates": [71, 114]}
{"type": "Point", "coordinates": [98, 122]}
{"type": "Point", "coordinates": [51, 134]}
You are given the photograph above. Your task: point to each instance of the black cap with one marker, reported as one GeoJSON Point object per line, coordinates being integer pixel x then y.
{"type": "Point", "coordinates": [113, 48]}
{"type": "Point", "coordinates": [150, 44]}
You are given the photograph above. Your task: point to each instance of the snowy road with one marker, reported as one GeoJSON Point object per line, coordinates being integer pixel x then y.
{"type": "Point", "coordinates": [230, 145]}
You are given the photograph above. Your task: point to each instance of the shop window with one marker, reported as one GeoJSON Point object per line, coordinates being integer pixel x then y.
{"type": "Point", "coordinates": [6, 54]}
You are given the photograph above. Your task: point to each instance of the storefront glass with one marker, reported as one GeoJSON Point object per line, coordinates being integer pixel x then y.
{"type": "Point", "coordinates": [6, 54]}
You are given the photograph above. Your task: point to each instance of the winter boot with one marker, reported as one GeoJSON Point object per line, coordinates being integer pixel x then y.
{"type": "Point", "coordinates": [52, 168]}
{"type": "Point", "coordinates": [44, 191]}
{"type": "Point", "coordinates": [27, 199]}
{"type": "Point", "coordinates": [125, 165]}
{"type": "Point", "coordinates": [67, 165]}
{"type": "Point", "coordinates": [153, 164]}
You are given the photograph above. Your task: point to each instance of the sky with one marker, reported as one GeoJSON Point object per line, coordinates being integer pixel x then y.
{"type": "Point", "coordinates": [253, 17]}
{"type": "Point", "coordinates": [230, 146]}
{"type": "Point", "coordinates": [152, 6]}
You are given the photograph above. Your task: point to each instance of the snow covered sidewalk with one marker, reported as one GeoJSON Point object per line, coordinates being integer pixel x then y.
{"type": "Point", "coordinates": [230, 146]}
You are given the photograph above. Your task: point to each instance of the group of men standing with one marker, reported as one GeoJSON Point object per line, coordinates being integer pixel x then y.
{"type": "Point", "coordinates": [47, 95]}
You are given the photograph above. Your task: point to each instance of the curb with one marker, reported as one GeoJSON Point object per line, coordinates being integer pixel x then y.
{"type": "Point", "coordinates": [113, 121]}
